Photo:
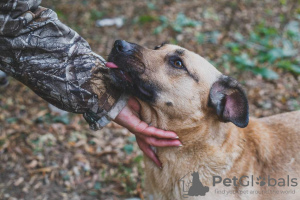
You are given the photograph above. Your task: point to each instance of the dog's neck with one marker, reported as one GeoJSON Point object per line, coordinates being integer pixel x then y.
{"type": "Point", "coordinates": [203, 139]}
{"type": "Point", "coordinates": [195, 128]}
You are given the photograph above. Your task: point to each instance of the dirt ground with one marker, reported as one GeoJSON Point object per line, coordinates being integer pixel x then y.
{"type": "Point", "coordinates": [44, 155]}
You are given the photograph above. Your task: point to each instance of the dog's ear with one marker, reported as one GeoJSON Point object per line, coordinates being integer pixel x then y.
{"type": "Point", "coordinates": [228, 99]}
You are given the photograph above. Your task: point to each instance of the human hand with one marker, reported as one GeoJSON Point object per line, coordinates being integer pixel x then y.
{"type": "Point", "coordinates": [146, 136]}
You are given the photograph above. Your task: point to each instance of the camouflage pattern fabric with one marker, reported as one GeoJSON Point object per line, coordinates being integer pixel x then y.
{"type": "Point", "coordinates": [55, 62]}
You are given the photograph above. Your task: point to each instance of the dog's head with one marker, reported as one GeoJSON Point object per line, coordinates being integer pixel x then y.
{"type": "Point", "coordinates": [177, 81]}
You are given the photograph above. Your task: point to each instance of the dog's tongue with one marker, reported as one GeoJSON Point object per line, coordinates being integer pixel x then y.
{"type": "Point", "coordinates": [111, 65]}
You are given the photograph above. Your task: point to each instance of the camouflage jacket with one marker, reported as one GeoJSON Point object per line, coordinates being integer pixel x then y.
{"type": "Point", "coordinates": [55, 62]}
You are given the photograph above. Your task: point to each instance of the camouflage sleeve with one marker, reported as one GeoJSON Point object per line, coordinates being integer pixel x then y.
{"type": "Point", "coordinates": [55, 62]}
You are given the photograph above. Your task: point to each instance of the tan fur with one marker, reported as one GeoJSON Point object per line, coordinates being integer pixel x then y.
{"type": "Point", "coordinates": [267, 146]}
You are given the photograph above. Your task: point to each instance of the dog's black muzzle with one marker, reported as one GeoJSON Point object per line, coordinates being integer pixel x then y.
{"type": "Point", "coordinates": [129, 59]}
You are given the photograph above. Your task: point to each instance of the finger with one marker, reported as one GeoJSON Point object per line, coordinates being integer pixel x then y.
{"type": "Point", "coordinates": [134, 124]}
{"type": "Point", "coordinates": [148, 151]}
{"type": "Point", "coordinates": [151, 131]}
{"type": "Point", "coordinates": [161, 142]}
{"type": "Point", "coordinates": [134, 104]}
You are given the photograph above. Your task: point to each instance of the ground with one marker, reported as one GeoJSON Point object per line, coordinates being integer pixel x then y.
{"type": "Point", "coordinates": [47, 156]}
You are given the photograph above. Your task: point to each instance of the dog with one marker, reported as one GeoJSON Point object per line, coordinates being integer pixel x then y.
{"type": "Point", "coordinates": [234, 156]}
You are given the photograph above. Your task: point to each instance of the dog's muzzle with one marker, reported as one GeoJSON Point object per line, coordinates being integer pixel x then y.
{"type": "Point", "coordinates": [123, 47]}
{"type": "Point", "coordinates": [127, 67]}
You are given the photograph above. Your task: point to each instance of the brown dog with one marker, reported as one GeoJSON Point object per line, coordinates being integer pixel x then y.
{"type": "Point", "coordinates": [180, 91]}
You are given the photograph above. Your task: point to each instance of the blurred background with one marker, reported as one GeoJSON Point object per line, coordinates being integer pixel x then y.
{"type": "Point", "coordinates": [46, 154]}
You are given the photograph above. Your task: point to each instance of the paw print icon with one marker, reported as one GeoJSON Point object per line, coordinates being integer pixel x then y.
{"type": "Point", "coordinates": [261, 181]}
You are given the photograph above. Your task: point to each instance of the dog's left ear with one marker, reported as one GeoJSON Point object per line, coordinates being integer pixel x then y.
{"type": "Point", "coordinates": [228, 99]}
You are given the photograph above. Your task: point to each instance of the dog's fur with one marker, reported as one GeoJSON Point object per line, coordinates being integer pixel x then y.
{"type": "Point", "coordinates": [196, 102]}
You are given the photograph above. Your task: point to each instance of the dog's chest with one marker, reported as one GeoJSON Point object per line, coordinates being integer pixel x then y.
{"type": "Point", "coordinates": [176, 175]}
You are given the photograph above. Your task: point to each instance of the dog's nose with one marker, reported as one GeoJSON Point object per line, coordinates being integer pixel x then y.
{"type": "Point", "coordinates": [122, 46]}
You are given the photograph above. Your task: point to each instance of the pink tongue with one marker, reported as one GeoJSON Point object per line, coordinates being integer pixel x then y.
{"type": "Point", "coordinates": [111, 65]}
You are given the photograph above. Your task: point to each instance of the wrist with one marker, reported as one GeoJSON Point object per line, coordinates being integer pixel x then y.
{"type": "Point", "coordinates": [119, 105]}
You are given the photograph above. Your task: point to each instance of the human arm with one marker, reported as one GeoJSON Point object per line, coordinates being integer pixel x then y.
{"type": "Point", "coordinates": [59, 65]}
{"type": "Point", "coordinates": [55, 62]}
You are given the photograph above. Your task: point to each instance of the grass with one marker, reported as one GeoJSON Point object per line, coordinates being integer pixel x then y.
{"type": "Point", "coordinates": [177, 25]}
{"type": "Point", "coordinates": [264, 51]}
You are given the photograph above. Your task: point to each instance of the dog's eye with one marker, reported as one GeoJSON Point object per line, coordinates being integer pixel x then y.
{"type": "Point", "coordinates": [178, 63]}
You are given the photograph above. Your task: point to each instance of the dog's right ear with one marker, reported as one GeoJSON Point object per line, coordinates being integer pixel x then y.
{"type": "Point", "coordinates": [228, 99]}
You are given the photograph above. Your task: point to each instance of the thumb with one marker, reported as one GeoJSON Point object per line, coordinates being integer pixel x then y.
{"type": "Point", "coordinates": [134, 104]}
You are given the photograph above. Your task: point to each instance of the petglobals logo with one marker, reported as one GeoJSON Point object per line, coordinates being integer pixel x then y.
{"type": "Point", "coordinates": [250, 181]}
{"type": "Point", "coordinates": [192, 186]}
